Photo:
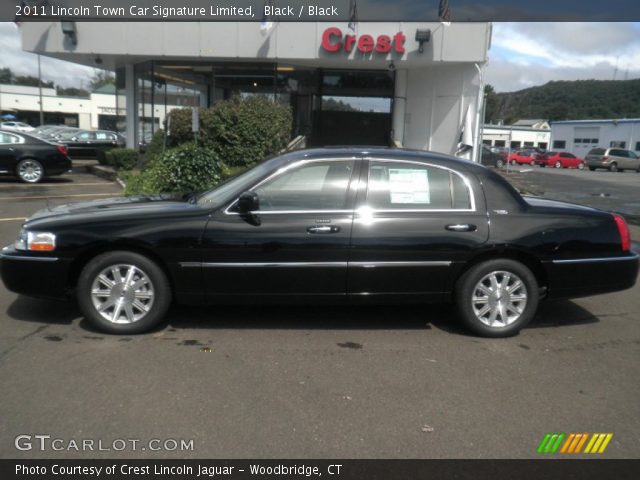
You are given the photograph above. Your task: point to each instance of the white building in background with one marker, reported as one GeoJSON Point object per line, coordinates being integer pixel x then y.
{"type": "Point", "coordinates": [418, 95]}
{"type": "Point", "coordinates": [97, 111]}
{"type": "Point", "coordinates": [580, 136]}
{"type": "Point", "coordinates": [516, 136]}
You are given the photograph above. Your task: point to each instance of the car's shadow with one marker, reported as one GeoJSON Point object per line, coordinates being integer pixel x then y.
{"type": "Point", "coordinates": [558, 313]}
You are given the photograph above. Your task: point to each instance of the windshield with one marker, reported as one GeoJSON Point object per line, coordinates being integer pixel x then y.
{"type": "Point", "coordinates": [234, 185]}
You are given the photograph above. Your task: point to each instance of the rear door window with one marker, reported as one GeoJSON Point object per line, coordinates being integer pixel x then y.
{"type": "Point", "coordinates": [408, 186]}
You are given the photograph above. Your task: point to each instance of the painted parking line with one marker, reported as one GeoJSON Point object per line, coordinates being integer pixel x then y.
{"type": "Point", "coordinates": [71, 184]}
{"type": "Point", "coordinates": [17, 219]}
{"type": "Point", "coordinates": [44, 197]}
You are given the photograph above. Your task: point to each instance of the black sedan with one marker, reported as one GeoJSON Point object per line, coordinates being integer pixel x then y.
{"type": "Point", "coordinates": [30, 158]}
{"type": "Point", "coordinates": [326, 226]}
{"type": "Point", "coordinates": [86, 143]}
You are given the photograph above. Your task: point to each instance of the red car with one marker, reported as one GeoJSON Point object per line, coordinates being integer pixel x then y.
{"type": "Point", "coordinates": [527, 157]}
{"type": "Point", "coordinates": [564, 160]}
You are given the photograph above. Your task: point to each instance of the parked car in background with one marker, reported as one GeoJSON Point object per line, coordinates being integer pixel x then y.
{"type": "Point", "coordinates": [613, 159]}
{"type": "Point", "coordinates": [16, 126]}
{"type": "Point", "coordinates": [54, 132]}
{"type": "Point", "coordinates": [527, 157]}
{"type": "Point", "coordinates": [343, 225]}
{"type": "Point", "coordinates": [491, 159]}
{"type": "Point", "coordinates": [86, 143]}
{"type": "Point", "coordinates": [563, 160]}
{"type": "Point", "coordinates": [30, 158]}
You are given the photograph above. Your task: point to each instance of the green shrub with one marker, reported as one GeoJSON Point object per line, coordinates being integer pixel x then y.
{"type": "Point", "coordinates": [155, 149]}
{"type": "Point", "coordinates": [241, 131]}
{"type": "Point", "coordinates": [181, 169]}
{"type": "Point", "coordinates": [122, 158]}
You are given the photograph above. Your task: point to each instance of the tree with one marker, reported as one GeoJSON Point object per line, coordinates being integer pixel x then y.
{"type": "Point", "coordinates": [71, 92]}
{"type": "Point", "coordinates": [31, 81]}
{"type": "Point", "coordinates": [6, 76]}
{"type": "Point", "coordinates": [492, 104]}
{"type": "Point", "coordinates": [101, 78]}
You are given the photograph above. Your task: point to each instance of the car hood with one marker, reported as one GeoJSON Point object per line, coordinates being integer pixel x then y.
{"type": "Point", "coordinates": [124, 206]}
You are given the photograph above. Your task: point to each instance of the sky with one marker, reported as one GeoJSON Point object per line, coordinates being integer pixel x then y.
{"type": "Point", "coordinates": [522, 55]}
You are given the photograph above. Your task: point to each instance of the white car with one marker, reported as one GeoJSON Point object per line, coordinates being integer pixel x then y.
{"type": "Point", "coordinates": [16, 126]}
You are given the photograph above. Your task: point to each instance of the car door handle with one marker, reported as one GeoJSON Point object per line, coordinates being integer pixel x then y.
{"type": "Point", "coordinates": [324, 229]}
{"type": "Point", "coordinates": [461, 227]}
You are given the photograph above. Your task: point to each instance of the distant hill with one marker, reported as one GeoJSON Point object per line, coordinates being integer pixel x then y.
{"type": "Point", "coordinates": [567, 100]}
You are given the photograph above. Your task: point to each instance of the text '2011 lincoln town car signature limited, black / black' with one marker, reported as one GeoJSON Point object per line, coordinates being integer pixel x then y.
{"type": "Point", "coordinates": [326, 225]}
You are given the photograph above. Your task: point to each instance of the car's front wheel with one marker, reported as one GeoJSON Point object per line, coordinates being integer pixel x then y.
{"type": "Point", "coordinates": [30, 170]}
{"type": "Point", "coordinates": [497, 298]}
{"type": "Point", "coordinates": [123, 292]}
{"type": "Point", "coordinates": [557, 164]}
{"type": "Point", "coordinates": [581, 166]}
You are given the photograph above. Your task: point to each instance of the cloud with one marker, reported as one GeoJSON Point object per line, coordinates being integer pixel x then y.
{"type": "Point", "coordinates": [528, 54]}
{"type": "Point", "coordinates": [62, 73]}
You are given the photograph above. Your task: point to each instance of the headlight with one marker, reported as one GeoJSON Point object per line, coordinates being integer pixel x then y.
{"type": "Point", "coordinates": [35, 241]}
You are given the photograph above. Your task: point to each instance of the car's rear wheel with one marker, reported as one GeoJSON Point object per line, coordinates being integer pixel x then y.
{"type": "Point", "coordinates": [30, 170]}
{"type": "Point", "coordinates": [613, 167]}
{"type": "Point", "coordinates": [513, 162]}
{"type": "Point", "coordinates": [123, 292]}
{"type": "Point", "coordinates": [557, 164]}
{"type": "Point", "coordinates": [497, 298]}
{"type": "Point", "coordinates": [499, 163]}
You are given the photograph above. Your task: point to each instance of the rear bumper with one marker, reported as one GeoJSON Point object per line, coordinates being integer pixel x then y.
{"type": "Point", "coordinates": [591, 276]}
{"type": "Point", "coordinates": [34, 275]}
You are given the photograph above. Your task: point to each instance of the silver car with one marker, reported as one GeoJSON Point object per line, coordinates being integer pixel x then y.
{"type": "Point", "coordinates": [613, 159]}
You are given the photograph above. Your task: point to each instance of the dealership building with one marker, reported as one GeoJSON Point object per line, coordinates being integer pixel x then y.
{"type": "Point", "coordinates": [418, 85]}
{"type": "Point", "coordinates": [580, 136]}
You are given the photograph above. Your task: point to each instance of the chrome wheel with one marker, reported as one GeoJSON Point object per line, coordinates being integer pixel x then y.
{"type": "Point", "coordinates": [122, 294]}
{"type": "Point", "coordinates": [558, 165]}
{"type": "Point", "coordinates": [30, 171]}
{"type": "Point", "coordinates": [499, 299]}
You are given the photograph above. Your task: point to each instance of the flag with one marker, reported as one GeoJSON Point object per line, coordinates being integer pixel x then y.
{"type": "Point", "coordinates": [465, 140]}
{"type": "Point", "coordinates": [444, 13]}
{"type": "Point", "coordinates": [266, 24]}
{"type": "Point", "coordinates": [353, 14]}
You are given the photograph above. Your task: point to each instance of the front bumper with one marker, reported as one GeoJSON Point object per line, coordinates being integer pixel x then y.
{"type": "Point", "coordinates": [34, 275]}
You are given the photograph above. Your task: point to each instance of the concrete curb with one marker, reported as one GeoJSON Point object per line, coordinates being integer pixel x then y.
{"type": "Point", "coordinates": [102, 171]}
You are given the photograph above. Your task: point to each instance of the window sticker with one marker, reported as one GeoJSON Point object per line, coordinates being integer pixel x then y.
{"type": "Point", "coordinates": [409, 185]}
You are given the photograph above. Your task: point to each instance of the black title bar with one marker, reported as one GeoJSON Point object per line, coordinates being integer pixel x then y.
{"type": "Point", "coordinates": [321, 10]}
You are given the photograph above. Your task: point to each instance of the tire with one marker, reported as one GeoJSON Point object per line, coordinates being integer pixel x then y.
{"type": "Point", "coordinates": [613, 167]}
{"type": "Point", "coordinates": [593, 169]}
{"type": "Point", "coordinates": [29, 170]}
{"type": "Point", "coordinates": [138, 310]}
{"type": "Point", "coordinates": [499, 163]}
{"type": "Point", "coordinates": [470, 285]}
{"type": "Point", "coordinates": [532, 163]}
{"type": "Point", "coordinates": [581, 166]}
{"type": "Point", "coordinates": [557, 165]}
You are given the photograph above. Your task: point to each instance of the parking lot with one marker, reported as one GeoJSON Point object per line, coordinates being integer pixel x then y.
{"type": "Point", "coordinates": [318, 381]}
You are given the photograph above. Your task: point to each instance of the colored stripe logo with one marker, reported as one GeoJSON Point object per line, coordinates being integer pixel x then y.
{"type": "Point", "coordinates": [574, 443]}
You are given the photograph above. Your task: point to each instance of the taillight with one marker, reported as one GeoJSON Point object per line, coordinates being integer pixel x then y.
{"type": "Point", "coordinates": [605, 158]}
{"type": "Point", "coordinates": [623, 230]}
{"type": "Point", "coordinates": [62, 149]}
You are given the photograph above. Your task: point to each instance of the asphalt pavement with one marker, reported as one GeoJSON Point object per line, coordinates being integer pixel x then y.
{"type": "Point", "coordinates": [313, 381]}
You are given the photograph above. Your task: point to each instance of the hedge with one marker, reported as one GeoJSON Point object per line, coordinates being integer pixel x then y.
{"type": "Point", "coordinates": [121, 158]}
{"type": "Point", "coordinates": [241, 131]}
{"type": "Point", "coordinates": [182, 169]}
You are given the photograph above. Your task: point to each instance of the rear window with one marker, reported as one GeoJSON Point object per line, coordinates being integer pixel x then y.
{"type": "Point", "coordinates": [596, 151]}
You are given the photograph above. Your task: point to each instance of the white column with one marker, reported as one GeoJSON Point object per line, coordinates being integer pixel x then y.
{"type": "Point", "coordinates": [131, 98]}
{"type": "Point", "coordinates": [399, 106]}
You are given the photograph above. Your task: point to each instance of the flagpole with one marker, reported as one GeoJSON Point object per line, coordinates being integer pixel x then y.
{"type": "Point", "coordinates": [40, 90]}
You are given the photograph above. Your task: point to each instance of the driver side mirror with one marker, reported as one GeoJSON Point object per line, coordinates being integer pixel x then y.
{"type": "Point", "coordinates": [248, 202]}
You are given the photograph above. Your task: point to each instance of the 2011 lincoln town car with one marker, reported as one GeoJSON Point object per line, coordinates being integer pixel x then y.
{"type": "Point", "coordinates": [326, 225]}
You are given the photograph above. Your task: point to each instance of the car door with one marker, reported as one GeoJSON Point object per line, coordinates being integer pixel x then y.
{"type": "Point", "coordinates": [8, 152]}
{"type": "Point", "coordinates": [414, 222]}
{"type": "Point", "coordinates": [295, 245]}
{"type": "Point", "coordinates": [81, 145]}
{"type": "Point", "coordinates": [634, 161]}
